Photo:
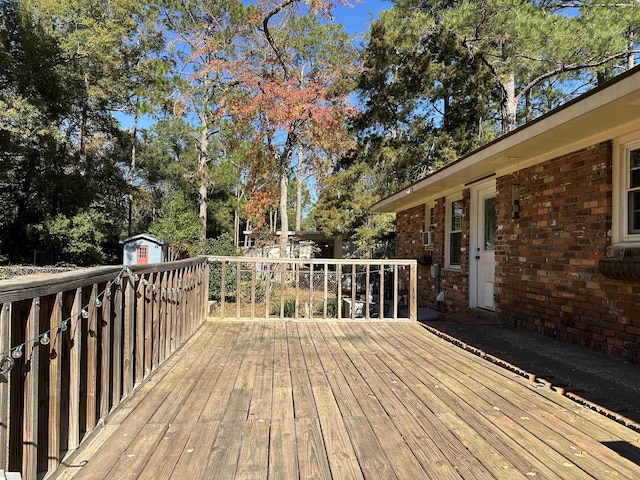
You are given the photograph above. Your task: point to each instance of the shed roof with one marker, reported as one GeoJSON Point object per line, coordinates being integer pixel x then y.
{"type": "Point", "coordinates": [141, 236]}
{"type": "Point", "coordinates": [601, 114]}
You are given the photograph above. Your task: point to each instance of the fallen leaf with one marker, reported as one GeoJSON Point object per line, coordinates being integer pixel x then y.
{"type": "Point", "coordinates": [531, 474]}
{"type": "Point", "coordinates": [567, 464]}
{"type": "Point", "coordinates": [496, 408]}
{"type": "Point", "coordinates": [190, 450]}
{"type": "Point", "coordinates": [614, 473]}
{"type": "Point", "coordinates": [524, 418]}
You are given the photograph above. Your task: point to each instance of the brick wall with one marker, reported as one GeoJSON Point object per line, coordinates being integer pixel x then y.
{"type": "Point", "coordinates": [454, 284]}
{"type": "Point", "coordinates": [547, 276]}
{"type": "Point", "coordinates": [547, 260]}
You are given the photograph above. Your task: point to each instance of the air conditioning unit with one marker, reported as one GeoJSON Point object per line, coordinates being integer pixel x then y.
{"type": "Point", "coordinates": [427, 238]}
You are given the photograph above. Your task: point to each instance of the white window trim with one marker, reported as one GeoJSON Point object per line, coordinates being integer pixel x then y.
{"type": "Point", "coordinates": [447, 239]}
{"type": "Point", "coordinates": [619, 222]}
{"type": "Point", "coordinates": [428, 221]}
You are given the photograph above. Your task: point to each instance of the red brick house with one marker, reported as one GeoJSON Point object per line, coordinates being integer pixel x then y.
{"type": "Point", "coordinates": [540, 228]}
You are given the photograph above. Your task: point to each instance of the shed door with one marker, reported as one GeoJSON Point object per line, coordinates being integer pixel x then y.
{"type": "Point", "coordinates": [142, 255]}
{"type": "Point", "coordinates": [483, 248]}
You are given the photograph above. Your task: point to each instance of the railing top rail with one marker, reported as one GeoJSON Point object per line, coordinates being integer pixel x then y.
{"type": "Point", "coordinates": [317, 261]}
{"type": "Point", "coordinates": [31, 287]}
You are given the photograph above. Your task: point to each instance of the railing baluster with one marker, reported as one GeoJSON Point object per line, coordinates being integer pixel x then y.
{"type": "Point", "coordinates": [382, 313]}
{"type": "Point", "coordinates": [74, 370]}
{"type": "Point", "coordinates": [138, 371]}
{"type": "Point", "coordinates": [55, 379]}
{"type": "Point", "coordinates": [267, 296]}
{"type": "Point", "coordinates": [5, 339]}
{"type": "Point", "coordinates": [223, 287]}
{"type": "Point", "coordinates": [354, 288]}
{"type": "Point", "coordinates": [105, 385]}
{"type": "Point", "coordinates": [116, 390]}
{"type": "Point", "coordinates": [367, 313]}
{"type": "Point", "coordinates": [311, 282]}
{"type": "Point", "coordinates": [238, 287]}
{"type": "Point", "coordinates": [30, 419]}
{"type": "Point", "coordinates": [283, 281]}
{"type": "Point", "coordinates": [92, 359]}
{"type": "Point", "coordinates": [295, 268]}
{"type": "Point", "coordinates": [127, 334]}
{"type": "Point", "coordinates": [148, 325]}
{"type": "Point", "coordinates": [339, 282]}
{"type": "Point", "coordinates": [253, 291]}
{"type": "Point", "coordinates": [326, 290]}
{"type": "Point", "coordinates": [395, 292]}
{"type": "Point", "coordinates": [157, 315]}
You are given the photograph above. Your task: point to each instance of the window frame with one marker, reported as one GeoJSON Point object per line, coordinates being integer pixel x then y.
{"type": "Point", "coordinates": [621, 237]}
{"type": "Point", "coordinates": [429, 224]}
{"type": "Point", "coordinates": [449, 231]}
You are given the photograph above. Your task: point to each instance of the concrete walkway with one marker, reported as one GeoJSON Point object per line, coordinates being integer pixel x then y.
{"type": "Point", "coordinates": [598, 378]}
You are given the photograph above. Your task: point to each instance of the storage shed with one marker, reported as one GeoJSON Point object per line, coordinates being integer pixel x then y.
{"type": "Point", "coordinates": [143, 249]}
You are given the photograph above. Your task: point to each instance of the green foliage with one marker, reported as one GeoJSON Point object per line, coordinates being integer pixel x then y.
{"type": "Point", "coordinates": [289, 308]}
{"type": "Point", "coordinates": [220, 246]}
{"type": "Point", "coordinates": [332, 308]}
{"type": "Point", "coordinates": [178, 225]}
{"type": "Point", "coordinates": [81, 238]}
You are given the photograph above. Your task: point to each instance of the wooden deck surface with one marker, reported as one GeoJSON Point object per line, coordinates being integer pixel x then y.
{"type": "Point", "coordinates": [257, 400]}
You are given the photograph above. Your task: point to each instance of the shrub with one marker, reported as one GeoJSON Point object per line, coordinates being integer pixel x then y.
{"type": "Point", "coordinates": [332, 308]}
{"type": "Point", "coordinates": [289, 309]}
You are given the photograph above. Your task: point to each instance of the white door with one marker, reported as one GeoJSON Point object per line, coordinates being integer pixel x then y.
{"type": "Point", "coordinates": [484, 248]}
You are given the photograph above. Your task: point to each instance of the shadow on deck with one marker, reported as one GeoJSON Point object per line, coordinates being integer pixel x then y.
{"type": "Point", "coordinates": [346, 400]}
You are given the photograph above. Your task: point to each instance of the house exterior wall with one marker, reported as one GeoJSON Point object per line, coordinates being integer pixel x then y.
{"type": "Point", "coordinates": [453, 283]}
{"type": "Point", "coordinates": [547, 276]}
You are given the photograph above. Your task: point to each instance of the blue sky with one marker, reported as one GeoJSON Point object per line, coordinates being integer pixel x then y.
{"type": "Point", "coordinates": [356, 18]}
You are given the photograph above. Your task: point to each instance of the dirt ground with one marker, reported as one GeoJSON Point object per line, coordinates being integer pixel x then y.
{"type": "Point", "coordinates": [599, 378]}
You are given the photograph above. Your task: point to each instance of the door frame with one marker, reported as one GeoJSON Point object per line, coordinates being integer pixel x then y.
{"type": "Point", "coordinates": [474, 241]}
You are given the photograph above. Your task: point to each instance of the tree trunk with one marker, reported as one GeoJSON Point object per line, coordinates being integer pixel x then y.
{"type": "Point", "coordinates": [83, 130]}
{"type": "Point", "coordinates": [134, 135]}
{"type": "Point", "coordinates": [509, 104]}
{"type": "Point", "coordinates": [284, 216]}
{"type": "Point", "coordinates": [202, 175]}
{"type": "Point", "coordinates": [299, 192]}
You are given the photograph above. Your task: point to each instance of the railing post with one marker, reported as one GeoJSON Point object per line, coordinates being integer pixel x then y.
{"type": "Point", "coordinates": [413, 292]}
{"type": "Point", "coordinates": [5, 339]}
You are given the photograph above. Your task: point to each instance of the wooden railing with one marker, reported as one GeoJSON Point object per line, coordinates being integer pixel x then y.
{"type": "Point", "coordinates": [75, 345]}
{"type": "Point", "coordinates": [262, 288]}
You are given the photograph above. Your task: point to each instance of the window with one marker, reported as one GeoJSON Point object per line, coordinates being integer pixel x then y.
{"type": "Point", "coordinates": [626, 194]}
{"type": "Point", "coordinates": [142, 252]}
{"type": "Point", "coordinates": [454, 226]}
{"type": "Point", "coordinates": [633, 191]}
{"type": "Point", "coordinates": [428, 234]}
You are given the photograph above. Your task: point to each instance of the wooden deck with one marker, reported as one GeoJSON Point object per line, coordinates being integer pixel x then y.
{"type": "Point", "coordinates": [257, 400]}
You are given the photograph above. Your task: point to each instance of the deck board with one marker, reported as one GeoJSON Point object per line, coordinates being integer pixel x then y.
{"type": "Point", "coordinates": [335, 400]}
